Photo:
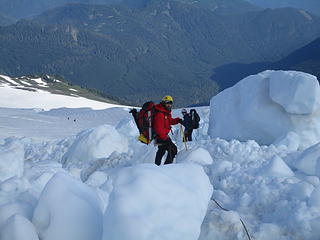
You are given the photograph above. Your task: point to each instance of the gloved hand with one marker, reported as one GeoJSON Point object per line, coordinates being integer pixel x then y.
{"type": "Point", "coordinates": [133, 110]}
{"type": "Point", "coordinates": [180, 121]}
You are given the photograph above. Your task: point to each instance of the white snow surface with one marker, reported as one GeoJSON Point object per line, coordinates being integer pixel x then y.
{"type": "Point", "coordinates": [17, 228]}
{"type": "Point", "coordinates": [200, 156]}
{"type": "Point", "coordinates": [68, 209]}
{"type": "Point", "coordinates": [274, 189]}
{"type": "Point", "coordinates": [8, 79]}
{"type": "Point", "coordinates": [8, 210]}
{"type": "Point", "coordinates": [39, 81]}
{"type": "Point", "coordinates": [308, 161]}
{"type": "Point", "coordinates": [266, 107]}
{"type": "Point", "coordinates": [296, 92]}
{"type": "Point", "coordinates": [93, 144]}
{"type": "Point", "coordinates": [277, 168]}
{"type": "Point", "coordinates": [12, 97]}
{"type": "Point", "coordinates": [11, 160]}
{"type": "Point", "coordinates": [151, 202]}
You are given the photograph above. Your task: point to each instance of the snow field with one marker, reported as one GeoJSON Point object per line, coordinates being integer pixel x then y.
{"type": "Point", "coordinates": [112, 190]}
{"type": "Point", "coordinates": [10, 97]}
{"type": "Point", "coordinates": [259, 183]}
{"type": "Point", "coordinates": [55, 193]}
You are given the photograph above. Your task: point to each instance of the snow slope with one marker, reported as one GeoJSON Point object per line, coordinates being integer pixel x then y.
{"type": "Point", "coordinates": [116, 192]}
{"type": "Point", "coordinates": [19, 94]}
{"type": "Point", "coordinates": [40, 124]}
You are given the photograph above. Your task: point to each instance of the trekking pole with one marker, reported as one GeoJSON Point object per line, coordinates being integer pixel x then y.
{"type": "Point", "coordinates": [184, 138]}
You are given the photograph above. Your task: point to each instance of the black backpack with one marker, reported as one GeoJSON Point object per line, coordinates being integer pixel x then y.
{"type": "Point", "coordinates": [195, 119]}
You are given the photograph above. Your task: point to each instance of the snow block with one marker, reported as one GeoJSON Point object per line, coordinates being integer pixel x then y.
{"type": "Point", "coordinates": [266, 106]}
{"type": "Point", "coordinates": [277, 168]}
{"type": "Point", "coordinates": [198, 156]}
{"type": "Point", "coordinates": [10, 209]}
{"type": "Point", "coordinates": [11, 159]}
{"type": "Point", "coordinates": [127, 127]}
{"type": "Point", "coordinates": [314, 200]}
{"type": "Point", "coordinates": [68, 210]}
{"type": "Point", "coordinates": [93, 144]}
{"type": "Point", "coordinates": [150, 202]}
{"type": "Point", "coordinates": [268, 229]}
{"type": "Point", "coordinates": [296, 92]}
{"type": "Point", "coordinates": [291, 141]}
{"type": "Point", "coordinates": [17, 228]}
{"type": "Point", "coordinates": [308, 161]}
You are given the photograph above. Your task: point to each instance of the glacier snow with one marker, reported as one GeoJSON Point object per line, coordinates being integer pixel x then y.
{"type": "Point", "coordinates": [266, 107]}
{"type": "Point", "coordinates": [256, 153]}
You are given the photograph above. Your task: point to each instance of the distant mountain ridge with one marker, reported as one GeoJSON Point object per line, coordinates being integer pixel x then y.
{"type": "Point", "coordinates": [5, 20]}
{"type": "Point", "coordinates": [28, 8]}
{"type": "Point", "coordinates": [222, 7]}
{"type": "Point", "coordinates": [308, 5]}
{"type": "Point", "coordinates": [139, 54]}
{"type": "Point", "coordinates": [305, 59]}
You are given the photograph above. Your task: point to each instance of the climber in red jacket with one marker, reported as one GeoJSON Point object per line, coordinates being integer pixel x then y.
{"type": "Point", "coordinates": [162, 125]}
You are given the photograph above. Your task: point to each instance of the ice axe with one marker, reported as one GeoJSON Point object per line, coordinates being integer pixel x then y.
{"type": "Point", "coordinates": [183, 137]}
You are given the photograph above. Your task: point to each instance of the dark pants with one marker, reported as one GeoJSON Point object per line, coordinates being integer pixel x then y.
{"type": "Point", "coordinates": [162, 148]}
{"type": "Point", "coordinates": [188, 135]}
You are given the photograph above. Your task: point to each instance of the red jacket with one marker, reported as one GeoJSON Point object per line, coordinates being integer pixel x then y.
{"type": "Point", "coordinates": [162, 122]}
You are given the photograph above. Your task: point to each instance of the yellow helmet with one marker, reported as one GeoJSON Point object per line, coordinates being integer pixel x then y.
{"type": "Point", "coordinates": [167, 99]}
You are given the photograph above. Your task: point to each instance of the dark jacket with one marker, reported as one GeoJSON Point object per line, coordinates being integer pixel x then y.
{"type": "Point", "coordinates": [187, 121]}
